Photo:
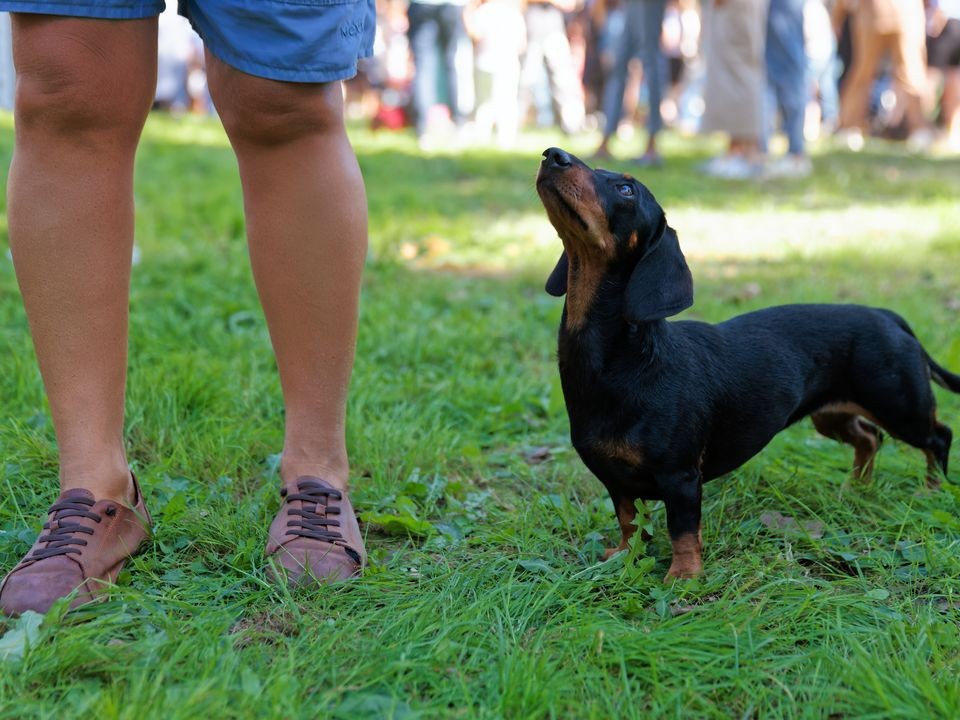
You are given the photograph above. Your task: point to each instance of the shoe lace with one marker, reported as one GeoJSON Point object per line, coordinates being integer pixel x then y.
{"type": "Point", "coordinates": [314, 522]}
{"type": "Point", "coordinates": [62, 539]}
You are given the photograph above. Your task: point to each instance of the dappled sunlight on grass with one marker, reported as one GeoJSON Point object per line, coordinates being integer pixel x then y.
{"type": "Point", "coordinates": [870, 230]}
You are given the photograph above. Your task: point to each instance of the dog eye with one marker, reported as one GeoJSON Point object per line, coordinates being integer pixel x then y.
{"type": "Point", "coordinates": [625, 190]}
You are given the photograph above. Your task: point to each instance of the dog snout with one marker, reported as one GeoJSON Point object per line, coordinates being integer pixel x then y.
{"type": "Point", "coordinates": [556, 158]}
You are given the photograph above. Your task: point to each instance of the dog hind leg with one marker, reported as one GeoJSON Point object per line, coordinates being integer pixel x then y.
{"type": "Point", "coordinates": [853, 430]}
{"type": "Point", "coordinates": [902, 403]}
{"type": "Point", "coordinates": [938, 453]}
{"type": "Point", "coordinates": [916, 424]}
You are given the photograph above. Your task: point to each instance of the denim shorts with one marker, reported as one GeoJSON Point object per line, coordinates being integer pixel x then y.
{"type": "Point", "coordinates": [293, 40]}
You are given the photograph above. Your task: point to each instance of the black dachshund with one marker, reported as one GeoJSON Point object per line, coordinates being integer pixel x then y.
{"type": "Point", "coordinates": [657, 408]}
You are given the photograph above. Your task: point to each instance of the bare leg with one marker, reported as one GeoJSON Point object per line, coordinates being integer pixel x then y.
{"type": "Point", "coordinates": [84, 88]}
{"type": "Point", "coordinates": [868, 51]}
{"type": "Point", "coordinates": [852, 430]}
{"type": "Point", "coordinates": [307, 228]}
{"type": "Point", "coordinates": [951, 106]}
{"type": "Point", "coordinates": [747, 147]}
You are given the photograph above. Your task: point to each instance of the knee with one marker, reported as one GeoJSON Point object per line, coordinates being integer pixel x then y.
{"type": "Point", "coordinates": [258, 112]}
{"type": "Point", "coordinates": [61, 97]}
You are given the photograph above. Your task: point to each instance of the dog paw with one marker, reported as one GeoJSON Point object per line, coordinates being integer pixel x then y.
{"type": "Point", "coordinates": [610, 552]}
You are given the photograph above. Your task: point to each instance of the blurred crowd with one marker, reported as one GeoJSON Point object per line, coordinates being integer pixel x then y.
{"type": "Point", "coordinates": [465, 71]}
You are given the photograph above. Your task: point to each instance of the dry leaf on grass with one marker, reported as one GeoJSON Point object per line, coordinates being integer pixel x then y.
{"type": "Point", "coordinates": [789, 526]}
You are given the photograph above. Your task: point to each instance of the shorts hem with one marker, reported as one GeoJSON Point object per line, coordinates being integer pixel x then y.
{"type": "Point", "coordinates": [136, 11]}
{"type": "Point", "coordinates": [270, 72]}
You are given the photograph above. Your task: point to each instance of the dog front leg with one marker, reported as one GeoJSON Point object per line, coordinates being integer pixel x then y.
{"type": "Point", "coordinates": [681, 493]}
{"type": "Point", "coordinates": [626, 509]}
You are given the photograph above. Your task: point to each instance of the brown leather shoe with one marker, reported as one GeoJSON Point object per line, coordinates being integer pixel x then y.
{"type": "Point", "coordinates": [83, 547]}
{"type": "Point", "coordinates": [315, 536]}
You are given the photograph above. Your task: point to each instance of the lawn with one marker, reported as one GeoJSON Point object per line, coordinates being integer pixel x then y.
{"type": "Point", "coordinates": [485, 596]}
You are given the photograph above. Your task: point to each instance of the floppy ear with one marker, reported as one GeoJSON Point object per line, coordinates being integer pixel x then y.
{"type": "Point", "coordinates": [557, 282]}
{"type": "Point", "coordinates": [661, 284]}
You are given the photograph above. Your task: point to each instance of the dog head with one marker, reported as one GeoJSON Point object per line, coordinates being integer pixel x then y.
{"type": "Point", "coordinates": [611, 226]}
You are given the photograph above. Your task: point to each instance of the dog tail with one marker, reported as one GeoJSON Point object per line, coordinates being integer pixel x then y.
{"type": "Point", "coordinates": [939, 374]}
{"type": "Point", "coordinates": [943, 377]}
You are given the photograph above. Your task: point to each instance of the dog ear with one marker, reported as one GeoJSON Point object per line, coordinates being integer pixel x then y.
{"type": "Point", "coordinates": [661, 284]}
{"type": "Point", "coordinates": [557, 282]}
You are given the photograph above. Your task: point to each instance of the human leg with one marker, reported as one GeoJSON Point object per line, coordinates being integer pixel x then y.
{"type": "Point", "coordinates": [653, 68]}
{"type": "Point", "coordinates": [424, 33]}
{"type": "Point", "coordinates": [565, 89]}
{"type": "Point", "coordinates": [908, 56]}
{"type": "Point", "coordinates": [950, 103]}
{"type": "Point", "coordinates": [826, 80]}
{"type": "Point", "coordinates": [306, 215]}
{"type": "Point", "coordinates": [84, 90]}
{"type": "Point", "coordinates": [306, 218]}
{"type": "Point", "coordinates": [868, 47]}
{"type": "Point", "coordinates": [450, 20]}
{"type": "Point", "coordinates": [786, 65]}
{"type": "Point", "coordinates": [624, 47]}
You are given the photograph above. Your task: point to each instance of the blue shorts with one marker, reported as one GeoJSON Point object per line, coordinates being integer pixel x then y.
{"type": "Point", "coordinates": [293, 40]}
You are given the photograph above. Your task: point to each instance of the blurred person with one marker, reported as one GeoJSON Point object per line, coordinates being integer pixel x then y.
{"type": "Point", "coordinates": [672, 46]}
{"type": "Point", "coordinates": [578, 35]}
{"type": "Point", "coordinates": [820, 41]}
{"type": "Point", "coordinates": [642, 28]}
{"type": "Point", "coordinates": [734, 33]}
{"type": "Point", "coordinates": [596, 62]}
{"type": "Point", "coordinates": [688, 92]}
{"type": "Point", "coordinates": [879, 28]}
{"type": "Point", "coordinates": [175, 53]}
{"type": "Point", "coordinates": [435, 31]}
{"type": "Point", "coordinates": [786, 87]}
{"type": "Point", "coordinates": [548, 52]}
{"type": "Point", "coordinates": [498, 31]}
{"type": "Point", "coordinates": [943, 53]}
{"type": "Point", "coordinates": [85, 84]}
{"type": "Point", "coordinates": [393, 74]}
{"type": "Point", "coordinates": [197, 90]}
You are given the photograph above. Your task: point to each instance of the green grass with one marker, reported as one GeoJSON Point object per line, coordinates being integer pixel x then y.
{"type": "Point", "coordinates": [498, 607]}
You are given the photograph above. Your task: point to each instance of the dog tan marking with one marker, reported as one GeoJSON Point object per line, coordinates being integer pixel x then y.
{"type": "Point", "coordinates": [849, 408]}
{"type": "Point", "coordinates": [575, 212]}
{"type": "Point", "coordinates": [626, 514]}
{"type": "Point", "coordinates": [583, 280]}
{"type": "Point", "coordinates": [626, 509]}
{"type": "Point", "coordinates": [686, 562]}
{"type": "Point", "coordinates": [620, 450]}
{"type": "Point", "coordinates": [849, 428]}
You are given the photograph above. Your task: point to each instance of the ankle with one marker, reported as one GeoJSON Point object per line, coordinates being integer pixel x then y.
{"type": "Point", "coordinates": [334, 472]}
{"type": "Point", "coordinates": [106, 483]}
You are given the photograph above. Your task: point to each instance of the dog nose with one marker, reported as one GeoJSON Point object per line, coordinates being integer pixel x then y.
{"type": "Point", "coordinates": [555, 157]}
